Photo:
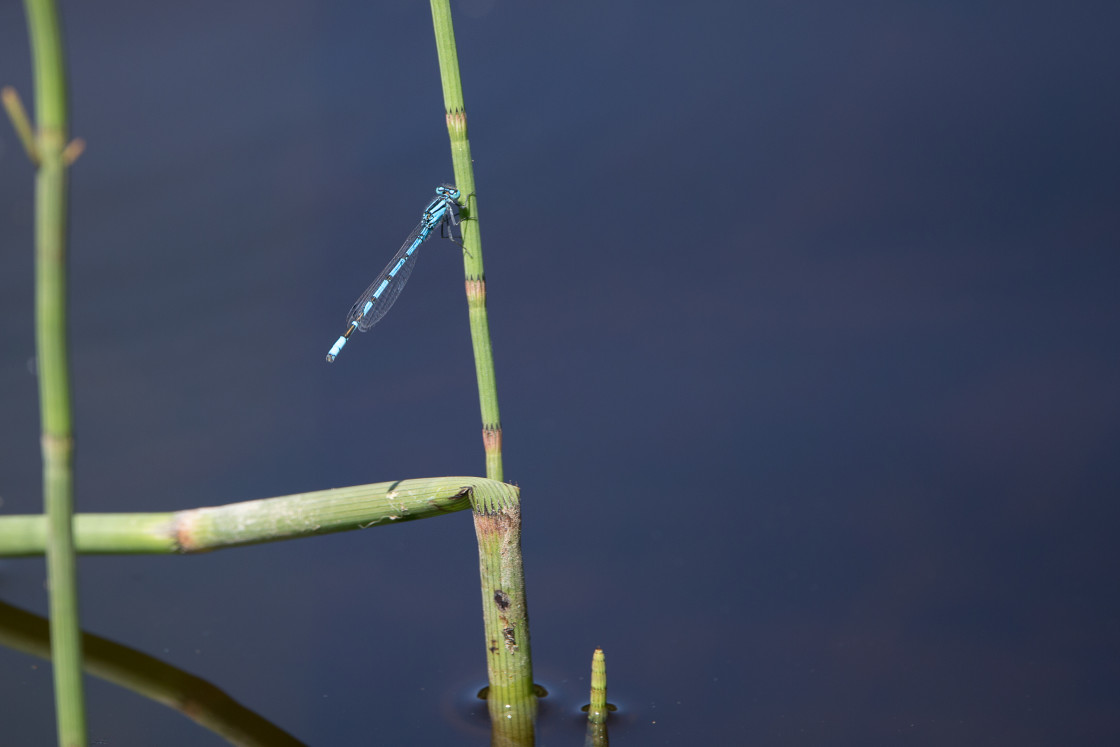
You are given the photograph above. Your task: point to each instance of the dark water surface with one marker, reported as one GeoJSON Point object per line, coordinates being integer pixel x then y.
{"type": "Point", "coordinates": [806, 329]}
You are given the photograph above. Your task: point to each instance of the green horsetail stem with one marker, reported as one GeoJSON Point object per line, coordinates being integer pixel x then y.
{"type": "Point", "coordinates": [512, 701]}
{"type": "Point", "coordinates": [47, 151]}
{"type": "Point", "coordinates": [597, 712]}
{"type": "Point", "coordinates": [597, 709]}
{"type": "Point", "coordinates": [265, 520]}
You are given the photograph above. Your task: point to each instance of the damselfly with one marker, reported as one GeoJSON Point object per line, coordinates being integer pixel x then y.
{"type": "Point", "coordinates": [383, 291]}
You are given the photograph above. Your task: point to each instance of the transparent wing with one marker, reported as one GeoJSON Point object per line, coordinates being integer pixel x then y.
{"type": "Point", "coordinates": [393, 278]}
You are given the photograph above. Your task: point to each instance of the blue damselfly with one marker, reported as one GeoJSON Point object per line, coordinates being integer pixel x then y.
{"type": "Point", "coordinates": [383, 291]}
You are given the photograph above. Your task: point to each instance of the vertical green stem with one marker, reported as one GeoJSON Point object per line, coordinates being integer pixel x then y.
{"type": "Point", "coordinates": [472, 256]}
{"type": "Point", "coordinates": [597, 710]}
{"type": "Point", "coordinates": [596, 734]}
{"type": "Point", "coordinates": [54, 377]}
{"type": "Point", "coordinates": [511, 701]}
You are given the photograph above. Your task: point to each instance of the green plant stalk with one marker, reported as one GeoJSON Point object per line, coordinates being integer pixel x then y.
{"type": "Point", "coordinates": [264, 520]}
{"type": "Point", "coordinates": [597, 710]}
{"type": "Point", "coordinates": [49, 72]}
{"type": "Point", "coordinates": [472, 243]}
{"type": "Point", "coordinates": [511, 699]}
{"type": "Point", "coordinates": [596, 735]}
{"type": "Point", "coordinates": [512, 702]}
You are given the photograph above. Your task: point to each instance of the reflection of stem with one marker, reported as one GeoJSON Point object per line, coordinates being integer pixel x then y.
{"type": "Point", "coordinates": [195, 698]}
{"type": "Point", "coordinates": [266, 520]}
{"type": "Point", "coordinates": [596, 735]}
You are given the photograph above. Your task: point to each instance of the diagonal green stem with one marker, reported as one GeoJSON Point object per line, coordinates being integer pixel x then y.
{"type": "Point", "coordinates": [20, 122]}
{"type": "Point", "coordinates": [151, 678]}
{"type": "Point", "coordinates": [54, 376]}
